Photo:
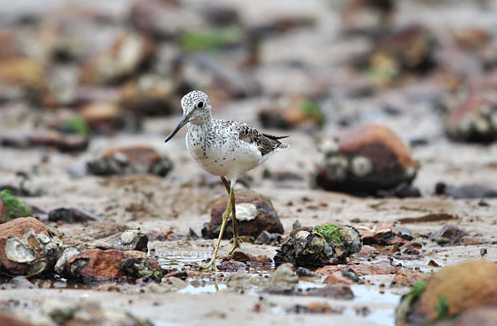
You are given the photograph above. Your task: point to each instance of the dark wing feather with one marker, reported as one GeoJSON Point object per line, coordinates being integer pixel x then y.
{"type": "Point", "coordinates": [265, 143]}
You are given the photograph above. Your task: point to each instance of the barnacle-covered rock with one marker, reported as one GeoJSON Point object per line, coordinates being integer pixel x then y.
{"type": "Point", "coordinates": [130, 160]}
{"type": "Point", "coordinates": [364, 160]}
{"type": "Point", "coordinates": [254, 213]}
{"type": "Point", "coordinates": [475, 119]}
{"type": "Point", "coordinates": [112, 265]}
{"type": "Point", "coordinates": [449, 292]}
{"type": "Point", "coordinates": [128, 240]}
{"type": "Point", "coordinates": [27, 247]}
{"type": "Point", "coordinates": [319, 246]}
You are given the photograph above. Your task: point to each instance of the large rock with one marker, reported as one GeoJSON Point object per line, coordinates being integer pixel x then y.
{"type": "Point", "coordinates": [27, 247]}
{"type": "Point", "coordinates": [112, 265]}
{"type": "Point", "coordinates": [254, 213]}
{"type": "Point", "coordinates": [364, 160]}
{"type": "Point", "coordinates": [318, 246]}
{"type": "Point", "coordinates": [449, 292]}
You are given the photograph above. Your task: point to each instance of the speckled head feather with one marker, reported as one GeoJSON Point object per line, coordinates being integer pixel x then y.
{"type": "Point", "coordinates": [196, 106]}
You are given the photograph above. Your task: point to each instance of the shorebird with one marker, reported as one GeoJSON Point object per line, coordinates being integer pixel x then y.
{"type": "Point", "coordinates": [224, 148]}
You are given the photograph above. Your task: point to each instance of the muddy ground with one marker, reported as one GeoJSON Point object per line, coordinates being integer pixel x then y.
{"type": "Point", "coordinates": [181, 201]}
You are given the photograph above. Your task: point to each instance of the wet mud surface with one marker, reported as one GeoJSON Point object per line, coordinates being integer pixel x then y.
{"type": "Point", "coordinates": [172, 210]}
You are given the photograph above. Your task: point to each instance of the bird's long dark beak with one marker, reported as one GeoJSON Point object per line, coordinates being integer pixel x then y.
{"type": "Point", "coordinates": [180, 125]}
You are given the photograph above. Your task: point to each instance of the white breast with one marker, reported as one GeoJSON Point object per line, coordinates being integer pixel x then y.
{"type": "Point", "coordinates": [222, 156]}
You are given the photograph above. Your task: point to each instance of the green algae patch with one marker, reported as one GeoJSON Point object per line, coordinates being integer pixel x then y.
{"type": "Point", "coordinates": [12, 207]}
{"type": "Point", "coordinates": [330, 233]}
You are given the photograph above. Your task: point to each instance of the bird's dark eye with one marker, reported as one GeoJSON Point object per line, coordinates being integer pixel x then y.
{"type": "Point", "coordinates": [200, 105]}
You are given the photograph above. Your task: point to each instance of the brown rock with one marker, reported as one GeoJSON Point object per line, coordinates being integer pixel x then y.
{"type": "Point", "coordinates": [449, 233]}
{"type": "Point", "coordinates": [407, 277]}
{"type": "Point", "coordinates": [125, 57]}
{"type": "Point", "coordinates": [337, 278]}
{"type": "Point", "coordinates": [465, 287]}
{"type": "Point", "coordinates": [364, 160]}
{"type": "Point", "coordinates": [297, 113]}
{"type": "Point", "coordinates": [104, 117]}
{"type": "Point", "coordinates": [64, 143]}
{"type": "Point", "coordinates": [255, 214]}
{"type": "Point", "coordinates": [8, 319]}
{"type": "Point", "coordinates": [27, 247]}
{"type": "Point", "coordinates": [475, 119]}
{"type": "Point", "coordinates": [70, 215]}
{"type": "Point", "coordinates": [163, 19]}
{"type": "Point", "coordinates": [149, 95]}
{"type": "Point", "coordinates": [96, 265]}
{"type": "Point", "coordinates": [486, 316]}
{"type": "Point", "coordinates": [232, 265]}
{"type": "Point", "coordinates": [244, 258]}
{"type": "Point", "coordinates": [130, 160]}
{"type": "Point", "coordinates": [409, 49]}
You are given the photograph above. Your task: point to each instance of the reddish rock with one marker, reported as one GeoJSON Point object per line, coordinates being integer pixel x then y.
{"type": "Point", "coordinates": [407, 277]}
{"type": "Point", "coordinates": [8, 319]}
{"type": "Point", "coordinates": [255, 214]}
{"type": "Point", "coordinates": [475, 119]}
{"type": "Point", "coordinates": [244, 258]}
{"type": "Point", "coordinates": [463, 287]}
{"type": "Point", "coordinates": [27, 247]}
{"type": "Point", "coordinates": [337, 278]}
{"type": "Point", "coordinates": [364, 160]}
{"type": "Point", "coordinates": [232, 265]}
{"type": "Point", "coordinates": [130, 160]}
{"type": "Point", "coordinates": [96, 265]}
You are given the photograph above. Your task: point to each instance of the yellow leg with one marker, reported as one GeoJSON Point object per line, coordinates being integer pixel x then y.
{"type": "Point", "coordinates": [212, 263]}
{"type": "Point", "coordinates": [237, 243]}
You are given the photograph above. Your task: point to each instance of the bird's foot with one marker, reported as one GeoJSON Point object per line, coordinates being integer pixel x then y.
{"type": "Point", "coordinates": [237, 243]}
{"type": "Point", "coordinates": [210, 265]}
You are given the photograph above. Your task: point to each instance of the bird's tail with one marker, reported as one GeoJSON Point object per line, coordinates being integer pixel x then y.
{"type": "Point", "coordinates": [279, 145]}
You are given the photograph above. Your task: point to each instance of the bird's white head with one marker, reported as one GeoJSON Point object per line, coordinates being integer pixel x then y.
{"type": "Point", "coordinates": [196, 109]}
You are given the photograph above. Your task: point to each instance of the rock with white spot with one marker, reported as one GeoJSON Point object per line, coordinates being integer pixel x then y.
{"type": "Point", "coordinates": [364, 160]}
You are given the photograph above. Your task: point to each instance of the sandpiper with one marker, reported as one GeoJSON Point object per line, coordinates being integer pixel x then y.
{"type": "Point", "coordinates": [224, 148]}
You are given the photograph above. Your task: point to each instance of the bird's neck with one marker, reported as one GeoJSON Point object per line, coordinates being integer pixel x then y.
{"type": "Point", "coordinates": [202, 120]}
